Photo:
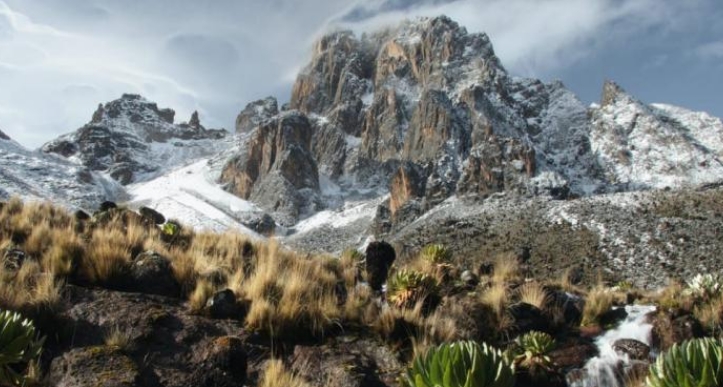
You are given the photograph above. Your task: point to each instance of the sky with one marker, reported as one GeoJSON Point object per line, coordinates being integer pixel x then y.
{"type": "Point", "coordinates": [60, 58]}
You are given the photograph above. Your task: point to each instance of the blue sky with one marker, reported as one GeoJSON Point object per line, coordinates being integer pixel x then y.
{"type": "Point", "coordinates": [60, 58]}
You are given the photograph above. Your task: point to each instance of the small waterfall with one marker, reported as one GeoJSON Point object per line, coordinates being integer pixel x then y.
{"type": "Point", "coordinates": [604, 369]}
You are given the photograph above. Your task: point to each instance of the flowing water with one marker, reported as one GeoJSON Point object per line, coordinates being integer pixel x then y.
{"type": "Point", "coordinates": [604, 369]}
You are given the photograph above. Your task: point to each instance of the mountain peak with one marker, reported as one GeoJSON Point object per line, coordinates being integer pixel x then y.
{"type": "Point", "coordinates": [127, 137]}
{"type": "Point", "coordinates": [611, 93]}
{"type": "Point", "coordinates": [4, 136]}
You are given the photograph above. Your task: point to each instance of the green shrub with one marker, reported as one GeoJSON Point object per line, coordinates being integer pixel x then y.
{"type": "Point", "coordinates": [407, 287]}
{"type": "Point", "coordinates": [694, 363]}
{"type": "Point", "coordinates": [532, 350]}
{"type": "Point", "coordinates": [436, 254]}
{"type": "Point", "coordinates": [19, 345]}
{"type": "Point", "coordinates": [461, 364]}
{"type": "Point", "coordinates": [170, 229]}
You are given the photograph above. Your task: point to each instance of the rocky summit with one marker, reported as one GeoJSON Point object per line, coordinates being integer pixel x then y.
{"type": "Point", "coordinates": [131, 138]}
{"type": "Point", "coordinates": [429, 109]}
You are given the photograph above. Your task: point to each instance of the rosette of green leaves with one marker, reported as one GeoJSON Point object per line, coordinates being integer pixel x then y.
{"type": "Point", "coordinates": [461, 364]}
{"type": "Point", "coordinates": [693, 363]}
{"type": "Point", "coordinates": [533, 348]}
{"type": "Point", "coordinates": [19, 344]}
{"type": "Point", "coordinates": [406, 287]}
{"type": "Point", "coordinates": [436, 254]}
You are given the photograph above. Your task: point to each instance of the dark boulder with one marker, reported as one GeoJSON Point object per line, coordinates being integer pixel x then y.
{"type": "Point", "coordinates": [379, 258]}
{"type": "Point", "coordinates": [107, 206]}
{"type": "Point", "coordinates": [528, 317]}
{"type": "Point", "coordinates": [81, 215]}
{"type": "Point", "coordinates": [152, 215]}
{"type": "Point", "coordinates": [670, 327]}
{"type": "Point", "coordinates": [151, 273]}
{"type": "Point", "coordinates": [223, 304]}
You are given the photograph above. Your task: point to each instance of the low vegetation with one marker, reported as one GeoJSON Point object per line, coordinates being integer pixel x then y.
{"type": "Point", "coordinates": [694, 363]}
{"type": "Point", "coordinates": [446, 325]}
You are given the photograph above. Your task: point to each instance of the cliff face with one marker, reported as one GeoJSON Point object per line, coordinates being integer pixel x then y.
{"type": "Point", "coordinates": [131, 139]}
{"type": "Point", "coordinates": [427, 111]}
{"type": "Point", "coordinates": [277, 169]}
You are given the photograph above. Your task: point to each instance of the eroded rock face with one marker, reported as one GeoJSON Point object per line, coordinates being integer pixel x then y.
{"type": "Point", "coordinates": [255, 113]}
{"type": "Point", "coordinates": [277, 170]}
{"type": "Point", "coordinates": [121, 137]}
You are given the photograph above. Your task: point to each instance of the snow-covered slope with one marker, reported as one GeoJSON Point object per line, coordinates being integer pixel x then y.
{"type": "Point", "coordinates": [37, 176]}
{"type": "Point", "coordinates": [642, 147]}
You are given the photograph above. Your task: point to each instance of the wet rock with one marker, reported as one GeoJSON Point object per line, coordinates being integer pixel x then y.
{"type": "Point", "coordinates": [94, 366]}
{"type": "Point", "coordinates": [573, 352]}
{"type": "Point", "coordinates": [152, 215]}
{"type": "Point", "coordinates": [635, 349]}
{"type": "Point", "coordinates": [379, 258]}
{"type": "Point", "coordinates": [613, 316]}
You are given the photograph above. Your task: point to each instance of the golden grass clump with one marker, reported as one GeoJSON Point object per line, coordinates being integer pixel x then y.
{"type": "Point", "coordinates": [598, 301]}
{"type": "Point", "coordinates": [118, 339]}
{"type": "Point", "coordinates": [275, 374]}
{"type": "Point", "coordinates": [533, 293]}
{"type": "Point", "coordinates": [506, 269]}
{"type": "Point", "coordinates": [290, 294]}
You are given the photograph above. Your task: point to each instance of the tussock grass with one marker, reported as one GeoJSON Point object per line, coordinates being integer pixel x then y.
{"type": "Point", "coordinates": [118, 339]}
{"type": "Point", "coordinates": [506, 269]}
{"type": "Point", "coordinates": [533, 293]}
{"type": "Point", "coordinates": [599, 300]}
{"type": "Point", "coordinates": [275, 374]}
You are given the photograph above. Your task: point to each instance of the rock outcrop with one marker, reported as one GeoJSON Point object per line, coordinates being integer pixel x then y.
{"type": "Point", "coordinates": [255, 113]}
{"type": "Point", "coordinates": [277, 170]}
{"type": "Point", "coordinates": [131, 139]}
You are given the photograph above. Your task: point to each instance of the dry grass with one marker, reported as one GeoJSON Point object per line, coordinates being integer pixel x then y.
{"type": "Point", "coordinates": [506, 269]}
{"type": "Point", "coordinates": [533, 293]}
{"type": "Point", "coordinates": [118, 339]}
{"type": "Point", "coordinates": [291, 294]}
{"type": "Point", "coordinates": [275, 374]}
{"type": "Point", "coordinates": [599, 300]}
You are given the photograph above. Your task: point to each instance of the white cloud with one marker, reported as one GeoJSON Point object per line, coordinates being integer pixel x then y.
{"type": "Point", "coordinates": [710, 51]}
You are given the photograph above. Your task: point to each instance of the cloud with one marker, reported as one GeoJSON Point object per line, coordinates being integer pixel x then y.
{"type": "Point", "coordinates": [60, 58]}
{"type": "Point", "coordinates": [710, 51]}
{"type": "Point", "coordinates": [532, 36]}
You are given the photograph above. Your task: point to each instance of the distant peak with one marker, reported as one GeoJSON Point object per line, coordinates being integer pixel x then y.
{"type": "Point", "coordinates": [611, 93]}
{"type": "Point", "coordinates": [3, 136]}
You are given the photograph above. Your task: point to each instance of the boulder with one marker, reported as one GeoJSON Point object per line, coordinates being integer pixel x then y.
{"type": "Point", "coordinates": [223, 304]}
{"type": "Point", "coordinates": [151, 273]}
{"type": "Point", "coordinates": [94, 366]}
{"type": "Point", "coordinates": [81, 215]}
{"type": "Point", "coordinates": [379, 258]}
{"type": "Point", "coordinates": [528, 317]}
{"type": "Point", "coordinates": [634, 349]}
{"type": "Point", "coordinates": [107, 206]}
{"type": "Point", "coordinates": [152, 216]}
